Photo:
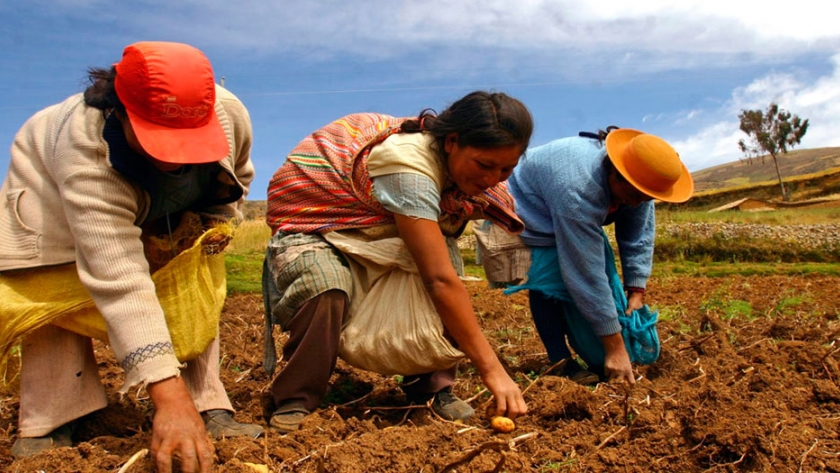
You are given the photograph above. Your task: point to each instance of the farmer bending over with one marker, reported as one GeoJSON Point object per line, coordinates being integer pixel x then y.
{"type": "Point", "coordinates": [565, 192]}
{"type": "Point", "coordinates": [409, 185]}
{"type": "Point", "coordinates": [150, 138]}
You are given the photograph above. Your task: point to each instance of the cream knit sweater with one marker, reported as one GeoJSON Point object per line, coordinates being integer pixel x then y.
{"type": "Point", "coordinates": [63, 202]}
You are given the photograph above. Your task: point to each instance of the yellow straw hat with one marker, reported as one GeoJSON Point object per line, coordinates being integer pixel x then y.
{"type": "Point", "coordinates": [650, 164]}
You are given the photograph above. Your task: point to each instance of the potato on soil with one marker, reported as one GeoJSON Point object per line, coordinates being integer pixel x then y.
{"type": "Point", "coordinates": [502, 424]}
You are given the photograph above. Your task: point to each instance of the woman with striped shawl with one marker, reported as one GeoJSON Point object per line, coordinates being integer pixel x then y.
{"type": "Point", "coordinates": [372, 177]}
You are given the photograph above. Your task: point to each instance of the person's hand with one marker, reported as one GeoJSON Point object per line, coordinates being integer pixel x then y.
{"type": "Point", "coordinates": [508, 396]}
{"type": "Point", "coordinates": [617, 365]}
{"type": "Point", "coordinates": [177, 429]}
{"type": "Point", "coordinates": [215, 243]}
{"type": "Point", "coordinates": [635, 301]}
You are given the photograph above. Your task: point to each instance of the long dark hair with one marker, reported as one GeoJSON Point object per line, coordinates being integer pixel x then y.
{"type": "Point", "coordinates": [101, 92]}
{"type": "Point", "coordinates": [481, 120]}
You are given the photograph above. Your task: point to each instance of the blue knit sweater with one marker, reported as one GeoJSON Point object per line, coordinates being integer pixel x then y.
{"type": "Point", "coordinates": [563, 196]}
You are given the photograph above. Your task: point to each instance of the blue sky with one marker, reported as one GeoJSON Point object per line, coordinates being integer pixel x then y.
{"type": "Point", "coordinates": [681, 70]}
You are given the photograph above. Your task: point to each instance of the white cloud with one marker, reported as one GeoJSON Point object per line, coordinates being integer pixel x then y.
{"type": "Point", "coordinates": [614, 39]}
{"type": "Point", "coordinates": [817, 100]}
{"type": "Point", "coordinates": [804, 20]}
{"type": "Point", "coordinates": [715, 144]}
{"type": "Point", "coordinates": [688, 117]}
{"type": "Point", "coordinates": [379, 28]}
{"type": "Point", "coordinates": [531, 41]}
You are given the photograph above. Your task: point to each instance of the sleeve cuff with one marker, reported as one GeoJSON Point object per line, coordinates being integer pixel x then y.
{"type": "Point", "coordinates": [607, 327]}
{"type": "Point", "coordinates": [158, 369]}
{"type": "Point", "coordinates": [637, 282]}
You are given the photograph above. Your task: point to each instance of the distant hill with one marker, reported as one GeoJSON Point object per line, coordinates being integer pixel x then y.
{"type": "Point", "coordinates": [810, 175]}
{"type": "Point", "coordinates": [742, 172]}
{"type": "Point", "coordinates": [254, 210]}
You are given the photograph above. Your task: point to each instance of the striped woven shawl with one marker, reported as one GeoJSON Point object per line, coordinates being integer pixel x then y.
{"type": "Point", "coordinates": [324, 183]}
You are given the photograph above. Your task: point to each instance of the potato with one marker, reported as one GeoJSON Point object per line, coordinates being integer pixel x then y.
{"type": "Point", "coordinates": [502, 424]}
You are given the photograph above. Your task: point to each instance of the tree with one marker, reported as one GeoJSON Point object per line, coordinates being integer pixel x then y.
{"type": "Point", "coordinates": [771, 132]}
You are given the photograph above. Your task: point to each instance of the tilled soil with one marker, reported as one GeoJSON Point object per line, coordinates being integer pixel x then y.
{"type": "Point", "coordinates": [747, 381]}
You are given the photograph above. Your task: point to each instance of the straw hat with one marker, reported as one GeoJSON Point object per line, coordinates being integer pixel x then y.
{"type": "Point", "coordinates": [650, 164]}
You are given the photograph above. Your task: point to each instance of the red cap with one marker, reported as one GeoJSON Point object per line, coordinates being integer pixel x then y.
{"type": "Point", "coordinates": [169, 95]}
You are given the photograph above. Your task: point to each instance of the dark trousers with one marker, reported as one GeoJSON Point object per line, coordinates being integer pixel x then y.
{"type": "Point", "coordinates": [551, 317]}
{"type": "Point", "coordinates": [551, 324]}
{"type": "Point", "coordinates": [311, 351]}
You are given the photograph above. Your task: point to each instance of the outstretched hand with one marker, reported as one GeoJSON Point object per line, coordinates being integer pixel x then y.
{"type": "Point", "coordinates": [509, 400]}
{"type": "Point", "coordinates": [617, 365]}
{"type": "Point", "coordinates": [178, 430]}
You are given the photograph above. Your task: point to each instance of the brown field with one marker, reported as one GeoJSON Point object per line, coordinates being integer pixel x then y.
{"type": "Point", "coordinates": [747, 381]}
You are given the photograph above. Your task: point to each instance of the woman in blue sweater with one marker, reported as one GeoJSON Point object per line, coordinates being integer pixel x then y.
{"type": "Point", "coordinates": [565, 192]}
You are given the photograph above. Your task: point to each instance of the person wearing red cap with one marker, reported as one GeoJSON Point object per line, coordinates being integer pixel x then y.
{"type": "Point", "coordinates": [565, 192]}
{"type": "Point", "coordinates": [151, 138]}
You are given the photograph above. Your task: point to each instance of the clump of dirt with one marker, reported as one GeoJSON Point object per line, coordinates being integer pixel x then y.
{"type": "Point", "coordinates": [747, 381]}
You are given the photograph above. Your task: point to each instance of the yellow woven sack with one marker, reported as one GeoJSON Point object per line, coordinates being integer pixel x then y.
{"type": "Point", "coordinates": [191, 289]}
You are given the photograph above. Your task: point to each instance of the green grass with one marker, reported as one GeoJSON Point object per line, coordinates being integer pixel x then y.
{"type": "Point", "coordinates": [789, 303]}
{"type": "Point", "coordinates": [737, 309]}
{"type": "Point", "coordinates": [727, 308]}
{"type": "Point", "coordinates": [244, 272]}
{"type": "Point", "coordinates": [790, 216]}
{"type": "Point", "coordinates": [723, 269]}
{"type": "Point", "coordinates": [512, 334]}
{"type": "Point", "coordinates": [675, 314]}
{"type": "Point", "coordinates": [244, 255]}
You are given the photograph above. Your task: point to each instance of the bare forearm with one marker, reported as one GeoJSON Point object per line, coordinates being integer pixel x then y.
{"type": "Point", "coordinates": [613, 343]}
{"type": "Point", "coordinates": [170, 392]}
{"type": "Point", "coordinates": [428, 247]}
{"type": "Point", "coordinates": [453, 304]}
